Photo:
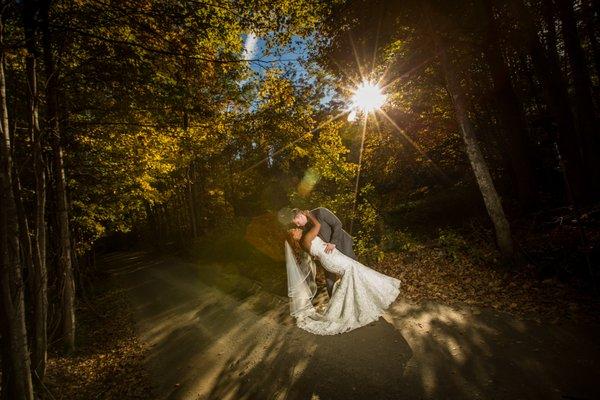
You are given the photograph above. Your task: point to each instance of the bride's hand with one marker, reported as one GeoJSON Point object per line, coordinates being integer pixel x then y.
{"type": "Point", "coordinates": [329, 247]}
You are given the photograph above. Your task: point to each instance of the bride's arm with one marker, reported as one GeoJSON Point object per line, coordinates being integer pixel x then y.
{"type": "Point", "coordinates": [313, 231]}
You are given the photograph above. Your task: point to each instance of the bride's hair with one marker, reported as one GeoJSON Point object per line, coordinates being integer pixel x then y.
{"type": "Point", "coordinates": [294, 243]}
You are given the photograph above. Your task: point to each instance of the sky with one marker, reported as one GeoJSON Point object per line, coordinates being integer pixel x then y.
{"type": "Point", "coordinates": [291, 58]}
{"type": "Point", "coordinates": [293, 54]}
{"type": "Point", "coordinates": [250, 45]}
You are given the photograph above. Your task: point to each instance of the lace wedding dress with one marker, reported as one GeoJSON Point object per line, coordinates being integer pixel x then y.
{"type": "Point", "coordinates": [358, 298]}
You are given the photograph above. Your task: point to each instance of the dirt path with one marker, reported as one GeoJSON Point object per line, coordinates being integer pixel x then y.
{"type": "Point", "coordinates": [215, 336]}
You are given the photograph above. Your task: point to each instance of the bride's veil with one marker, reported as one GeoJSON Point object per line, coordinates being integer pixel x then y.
{"type": "Point", "coordinates": [301, 281]}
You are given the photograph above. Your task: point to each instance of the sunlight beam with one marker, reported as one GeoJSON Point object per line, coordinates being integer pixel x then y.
{"type": "Point", "coordinates": [416, 146]}
{"type": "Point", "coordinates": [360, 67]}
{"type": "Point", "coordinates": [357, 182]}
{"type": "Point", "coordinates": [293, 142]}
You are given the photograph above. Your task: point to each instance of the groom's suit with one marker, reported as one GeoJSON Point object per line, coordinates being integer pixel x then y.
{"type": "Point", "coordinates": [332, 232]}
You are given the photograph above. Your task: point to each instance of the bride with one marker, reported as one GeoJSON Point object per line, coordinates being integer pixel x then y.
{"type": "Point", "coordinates": [358, 298]}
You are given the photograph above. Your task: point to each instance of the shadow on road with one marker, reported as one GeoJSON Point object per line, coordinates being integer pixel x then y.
{"type": "Point", "coordinates": [360, 364]}
{"type": "Point", "coordinates": [220, 336]}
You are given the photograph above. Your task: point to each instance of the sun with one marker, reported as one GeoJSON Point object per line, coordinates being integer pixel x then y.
{"type": "Point", "coordinates": [367, 97]}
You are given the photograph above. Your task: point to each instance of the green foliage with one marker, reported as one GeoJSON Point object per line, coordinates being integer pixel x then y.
{"type": "Point", "coordinates": [459, 246]}
{"type": "Point", "coordinates": [160, 103]}
{"type": "Point", "coordinates": [368, 223]}
{"type": "Point", "coordinates": [399, 241]}
{"type": "Point", "coordinates": [453, 243]}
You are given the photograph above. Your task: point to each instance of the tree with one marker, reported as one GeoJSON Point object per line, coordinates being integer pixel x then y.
{"type": "Point", "coordinates": [478, 163]}
{"type": "Point", "coordinates": [65, 264]}
{"type": "Point", "coordinates": [20, 385]}
{"type": "Point", "coordinates": [555, 93]}
{"type": "Point", "coordinates": [510, 113]}
{"type": "Point", "coordinates": [39, 290]}
{"type": "Point", "coordinates": [587, 123]}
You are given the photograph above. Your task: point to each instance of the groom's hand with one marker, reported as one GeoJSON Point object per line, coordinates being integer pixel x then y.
{"type": "Point", "coordinates": [329, 247]}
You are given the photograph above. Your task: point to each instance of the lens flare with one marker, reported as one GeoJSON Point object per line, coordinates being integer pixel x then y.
{"type": "Point", "coordinates": [310, 179]}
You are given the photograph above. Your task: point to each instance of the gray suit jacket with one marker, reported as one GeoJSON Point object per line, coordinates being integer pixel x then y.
{"type": "Point", "coordinates": [332, 232]}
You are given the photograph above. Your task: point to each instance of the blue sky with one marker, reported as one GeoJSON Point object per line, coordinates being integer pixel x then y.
{"type": "Point", "coordinates": [255, 48]}
{"type": "Point", "coordinates": [291, 57]}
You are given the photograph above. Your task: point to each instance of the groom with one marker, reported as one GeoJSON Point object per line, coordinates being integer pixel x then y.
{"type": "Point", "coordinates": [331, 232]}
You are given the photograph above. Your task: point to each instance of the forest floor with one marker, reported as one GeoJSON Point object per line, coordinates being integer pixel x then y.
{"type": "Point", "coordinates": [432, 274]}
{"type": "Point", "coordinates": [108, 362]}
{"type": "Point", "coordinates": [210, 332]}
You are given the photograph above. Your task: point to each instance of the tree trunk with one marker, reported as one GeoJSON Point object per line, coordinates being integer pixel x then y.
{"type": "Point", "coordinates": [511, 116]}
{"type": "Point", "coordinates": [167, 218]}
{"type": "Point", "coordinates": [11, 279]}
{"type": "Point", "coordinates": [24, 238]}
{"type": "Point", "coordinates": [65, 264]}
{"type": "Point", "coordinates": [39, 278]}
{"type": "Point", "coordinates": [479, 165]}
{"type": "Point", "coordinates": [476, 159]}
{"type": "Point", "coordinates": [182, 216]}
{"type": "Point", "coordinates": [6, 387]}
{"type": "Point", "coordinates": [192, 200]}
{"type": "Point", "coordinates": [584, 106]}
{"type": "Point", "coordinates": [591, 29]}
{"type": "Point", "coordinates": [556, 96]}
{"type": "Point", "coordinates": [550, 21]}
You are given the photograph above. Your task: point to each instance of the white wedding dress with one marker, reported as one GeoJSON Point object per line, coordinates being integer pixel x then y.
{"type": "Point", "coordinates": [358, 298]}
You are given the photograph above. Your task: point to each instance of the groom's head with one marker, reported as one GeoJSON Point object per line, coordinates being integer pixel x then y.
{"type": "Point", "coordinates": [298, 217]}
